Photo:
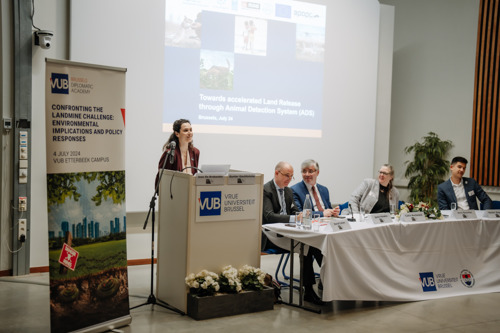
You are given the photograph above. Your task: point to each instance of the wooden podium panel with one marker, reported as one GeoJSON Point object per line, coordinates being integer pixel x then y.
{"type": "Point", "coordinates": [189, 242]}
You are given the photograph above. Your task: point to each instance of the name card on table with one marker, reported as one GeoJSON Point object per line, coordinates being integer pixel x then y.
{"type": "Point", "coordinates": [241, 178]}
{"type": "Point", "coordinates": [412, 217]}
{"type": "Point", "coordinates": [381, 218]}
{"type": "Point", "coordinates": [492, 213]}
{"type": "Point", "coordinates": [463, 214]}
{"type": "Point", "coordinates": [209, 179]}
{"type": "Point", "coordinates": [339, 224]}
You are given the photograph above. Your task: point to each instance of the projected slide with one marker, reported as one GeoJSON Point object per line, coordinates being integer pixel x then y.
{"type": "Point", "coordinates": [245, 67]}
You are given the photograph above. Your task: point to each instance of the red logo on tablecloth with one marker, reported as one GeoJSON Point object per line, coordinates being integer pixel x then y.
{"type": "Point", "coordinates": [68, 257]}
{"type": "Point", "coordinates": [467, 278]}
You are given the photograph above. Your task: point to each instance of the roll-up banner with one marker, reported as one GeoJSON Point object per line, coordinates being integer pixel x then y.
{"type": "Point", "coordinates": [85, 138]}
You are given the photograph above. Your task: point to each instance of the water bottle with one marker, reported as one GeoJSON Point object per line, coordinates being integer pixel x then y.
{"type": "Point", "coordinates": [307, 213]}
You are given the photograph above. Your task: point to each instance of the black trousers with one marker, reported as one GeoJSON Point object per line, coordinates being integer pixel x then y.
{"type": "Point", "coordinates": [309, 278]}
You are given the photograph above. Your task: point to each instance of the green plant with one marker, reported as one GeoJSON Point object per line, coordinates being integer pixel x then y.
{"type": "Point", "coordinates": [428, 168]}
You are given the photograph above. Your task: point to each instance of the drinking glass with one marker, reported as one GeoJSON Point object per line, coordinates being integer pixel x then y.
{"type": "Point", "coordinates": [316, 222]}
{"type": "Point", "coordinates": [392, 209]}
{"type": "Point", "coordinates": [453, 206]}
{"type": "Point", "coordinates": [298, 222]}
{"type": "Point", "coordinates": [315, 226]}
{"type": "Point", "coordinates": [361, 214]}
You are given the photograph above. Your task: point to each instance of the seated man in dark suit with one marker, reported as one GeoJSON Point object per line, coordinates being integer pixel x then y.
{"type": "Point", "coordinates": [320, 197]}
{"type": "Point", "coordinates": [462, 190]}
{"type": "Point", "coordinates": [278, 206]}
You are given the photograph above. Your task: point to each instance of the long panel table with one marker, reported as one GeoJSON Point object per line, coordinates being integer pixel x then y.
{"type": "Point", "coordinates": [403, 261]}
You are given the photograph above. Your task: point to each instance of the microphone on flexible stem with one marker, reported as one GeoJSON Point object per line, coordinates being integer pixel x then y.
{"type": "Point", "coordinates": [192, 167]}
{"type": "Point", "coordinates": [351, 219]}
{"type": "Point", "coordinates": [172, 152]}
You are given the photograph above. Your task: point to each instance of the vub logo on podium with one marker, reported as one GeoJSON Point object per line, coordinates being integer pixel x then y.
{"type": "Point", "coordinates": [210, 203]}
{"type": "Point", "coordinates": [428, 281]}
{"type": "Point", "coordinates": [59, 83]}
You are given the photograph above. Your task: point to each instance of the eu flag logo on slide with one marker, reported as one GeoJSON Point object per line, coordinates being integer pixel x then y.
{"type": "Point", "coordinates": [283, 11]}
{"type": "Point", "coordinates": [210, 203]}
{"type": "Point", "coordinates": [428, 282]}
{"type": "Point", "coordinates": [59, 83]}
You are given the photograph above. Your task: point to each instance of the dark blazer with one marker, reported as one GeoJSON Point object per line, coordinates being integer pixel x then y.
{"type": "Point", "coordinates": [446, 194]}
{"type": "Point", "coordinates": [271, 209]}
{"type": "Point", "coordinates": [194, 153]}
{"type": "Point", "coordinates": [271, 204]}
{"type": "Point", "coordinates": [299, 195]}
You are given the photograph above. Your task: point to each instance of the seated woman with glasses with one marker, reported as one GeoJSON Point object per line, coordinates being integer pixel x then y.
{"type": "Point", "coordinates": [376, 195]}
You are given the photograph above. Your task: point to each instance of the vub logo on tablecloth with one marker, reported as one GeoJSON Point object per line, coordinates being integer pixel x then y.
{"type": "Point", "coordinates": [210, 203]}
{"type": "Point", "coordinates": [428, 281]}
{"type": "Point", "coordinates": [59, 83]}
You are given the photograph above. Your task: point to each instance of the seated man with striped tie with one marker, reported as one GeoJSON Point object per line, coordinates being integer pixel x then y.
{"type": "Point", "coordinates": [319, 194]}
{"type": "Point", "coordinates": [279, 207]}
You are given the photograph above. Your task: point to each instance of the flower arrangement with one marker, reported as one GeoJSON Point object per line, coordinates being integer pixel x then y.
{"type": "Point", "coordinates": [204, 283]}
{"type": "Point", "coordinates": [430, 212]}
{"type": "Point", "coordinates": [231, 280]}
{"type": "Point", "coordinates": [252, 278]}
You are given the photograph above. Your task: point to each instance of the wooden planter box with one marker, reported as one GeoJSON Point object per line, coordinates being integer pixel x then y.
{"type": "Point", "coordinates": [222, 305]}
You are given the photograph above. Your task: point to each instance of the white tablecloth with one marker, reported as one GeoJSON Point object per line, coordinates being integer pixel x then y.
{"type": "Point", "coordinates": [403, 261]}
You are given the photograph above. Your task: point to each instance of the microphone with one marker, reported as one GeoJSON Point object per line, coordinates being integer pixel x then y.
{"type": "Point", "coordinates": [351, 219]}
{"type": "Point", "coordinates": [172, 152]}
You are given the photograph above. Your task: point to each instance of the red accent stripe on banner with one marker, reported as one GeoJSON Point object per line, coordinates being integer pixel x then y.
{"type": "Point", "coordinates": [123, 116]}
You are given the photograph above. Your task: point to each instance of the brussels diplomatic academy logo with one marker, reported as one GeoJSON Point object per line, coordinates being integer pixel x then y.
{"type": "Point", "coordinates": [467, 278]}
{"type": "Point", "coordinates": [210, 203]}
{"type": "Point", "coordinates": [59, 83]}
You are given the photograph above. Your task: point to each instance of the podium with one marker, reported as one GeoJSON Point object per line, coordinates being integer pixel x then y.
{"type": "Point", "coordinates": [205, 222]}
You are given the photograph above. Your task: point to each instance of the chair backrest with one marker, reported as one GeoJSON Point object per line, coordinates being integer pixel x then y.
{"type": "Point", "coordinates": [343, 206]}
{"type": "Point", "coordinates": [495, 205]}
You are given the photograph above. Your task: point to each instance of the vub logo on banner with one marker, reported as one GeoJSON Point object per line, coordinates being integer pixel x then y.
{"type": "Point", "coordinates": [210, 203]}
{"type": "Point", "coordinates": [428, 282]}
{"type": "Point", "coordinates": [59, 83]}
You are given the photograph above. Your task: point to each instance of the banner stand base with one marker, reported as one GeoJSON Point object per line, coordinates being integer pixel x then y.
{"type": "Point", "coordinates": [107, 325]}
{"type": "Point", "coordinates": [153, 301]}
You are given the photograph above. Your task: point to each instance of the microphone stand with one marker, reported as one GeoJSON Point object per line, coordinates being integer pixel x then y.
{"type": "Point", "coordinates": [351, 219]}
{"type": "Point", "coordinates": [152, 299]}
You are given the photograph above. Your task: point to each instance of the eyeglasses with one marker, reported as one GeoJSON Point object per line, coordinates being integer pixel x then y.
{"type": "Point", "coordinates": [287, 175]}
{"type": "Point", "coordinates": [384, 173]}
{"type": "Point", "coordinates": [308, 171]}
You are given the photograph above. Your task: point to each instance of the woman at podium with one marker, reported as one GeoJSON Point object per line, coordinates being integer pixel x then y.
{"type": "Point", "coordinates": [179, 153]}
